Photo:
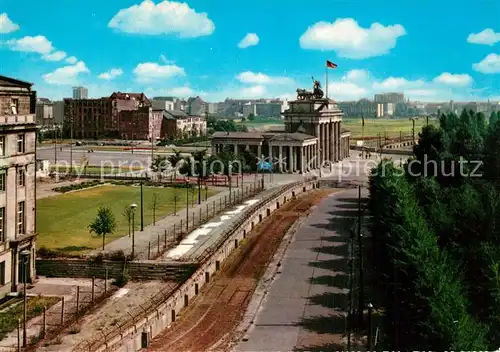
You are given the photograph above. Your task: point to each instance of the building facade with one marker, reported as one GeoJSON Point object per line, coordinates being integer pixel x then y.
{"type": "Point", "coordinates": [312, 138]}
{"type": "Point", "coordinates": [58, 111]}
{"type": "Point", "coordinates": [87, 118]}
{"type": "Point", "coordinates": [177, 125]}
{"type": "Point", "coordinates": [160, 103]}
{"type": "Point", "coordinates": [17, 183]}
{"type": "Point", "coordinates": [80, 93]}
{"type": "Point", "coordinates": [44, 112]}
{"type": "Point", "coordinates": [262, 109]}
{"type": "Point", "coordinates": [392, 98]}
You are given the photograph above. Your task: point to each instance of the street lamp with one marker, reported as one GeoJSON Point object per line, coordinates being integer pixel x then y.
{"type": "Point", "coordinates": [321, 162]}
{"type": "Point", "coordinates": [230, 169]}
{"type": "Point", "coordinates": [25, 256]}
{"type": "Point", "coordinates": [133, 206]}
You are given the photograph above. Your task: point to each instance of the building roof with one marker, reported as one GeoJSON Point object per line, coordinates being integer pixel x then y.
{"type": "Point", "coordinates": [12, 82]}
{"type": "Point", "coordinates": [43, 101]}
{"type": "Point", "coordinates": [164, 98]}
{"type": "Point", "coordinates": [297, 136]}
{"type": "Point", "coordinates": [238, 135]}
{"type": "Point", "coordinates": [137, 96]}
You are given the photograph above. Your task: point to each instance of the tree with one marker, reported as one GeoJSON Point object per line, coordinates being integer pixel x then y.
{"type": "Point", "coordinates": [103, 224]}
{"type": "Point", "coordinates": [174, 160]}
{"type": "Point", "coordinates": [196, 165]}
{"type": "Point", "coordinates": [154, 205]}
{"type": "Point", "coordinates": [127, 214]}
{"type": "Point", "coordinates": [251, 117]}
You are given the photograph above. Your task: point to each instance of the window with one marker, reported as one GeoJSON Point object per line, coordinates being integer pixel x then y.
{"type": "Point", "coordinates": [14, 106]}
{"type": "Point", "coordinates": [2, 224]}
{"type": "Point", "coordinates": [2, 145]}
{"type": "Point", "coordinates": [2, 181]}
{"type": "Point", "coordinates": [21, 177]}
{"type": "Point", "coordinates": [20, 218]}
{"type": "Point", "coordinates": [2, 273]}
{"type": "Point", "coordinates": [20, 143]}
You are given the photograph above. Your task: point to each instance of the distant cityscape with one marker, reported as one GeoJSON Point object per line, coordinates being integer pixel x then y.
{"type": "Point", "coordinates": [135, 116]}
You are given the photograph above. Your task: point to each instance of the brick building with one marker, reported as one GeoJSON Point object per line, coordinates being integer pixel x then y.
{"type": "Point", "coordinates": [17, 183]}
{"type": "Point", "coordinates": [100, 118]}
{"type": "Point", "coordinates": [134, 124]}
{"type": "Point", "coordinates": [88, 118]}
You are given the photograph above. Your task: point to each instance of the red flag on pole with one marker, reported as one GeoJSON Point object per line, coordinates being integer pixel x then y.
{"type": "Point", "coordinates": [330, 64]}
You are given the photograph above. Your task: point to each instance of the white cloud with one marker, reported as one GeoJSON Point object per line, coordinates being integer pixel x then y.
{"type": "Point", "coordinates": [150, 71]}
{"type": "Point", "coordinates": [260, 78]}
{"type": "Point", "coordinates": [258, 91]}
{"type": "Point", "coordinates": [356, 75]}
{"type": "Point", "coordinates": [350, 40]}
{"type": "Point", "coordinates": [346, 91]}
{"type": "Point", "coordinates": [55, 56]}
{"type": "Point", "coordinates": [6, 25]}
{"type": "Point", "coordinates": [181, 92]}
{"type": "Point", "coordinates": [395, 83]}
{"type": "Point", "coordinates": [487, 37]}
{"type": "Point", "coordinates": [38, 44]}
{"type": "Point", "coordinates": [164, 60]}
{"type": "Point", "coordinates": [251, 39]}
{"type": "Point", "coordinates": [453, 79]}
{"type": "Point", "coordinates": [166, 17]}
{"type": "Point", "coordinates": [490, 64]}
{"type": "Point", "coordinates": [111, 74]}
{"type": "Point", "coordinates": [72, 60]}
{"type": "Point", "coordinates": [66, 75]}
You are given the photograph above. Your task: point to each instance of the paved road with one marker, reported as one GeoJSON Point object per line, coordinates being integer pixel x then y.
{"type": "Point", "coordinates": [305, 305]}
{"type": "Point", "coordinates": [96, 158]}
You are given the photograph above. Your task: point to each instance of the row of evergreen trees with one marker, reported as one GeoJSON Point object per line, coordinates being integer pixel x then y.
{"type": "Point", "coordinates": [436, 233]}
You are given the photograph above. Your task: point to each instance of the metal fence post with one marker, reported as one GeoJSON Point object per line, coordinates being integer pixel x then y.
{"type": "Point", "coordinates": [158, 244]}
{"type": "Point", "coordinates": [106, 281]}
{"type": "Point", "coordinates": [149, 250]}
{"type": "Point", "coordinates": [44, 321]}
{"type": "Point", "coordinates": [62, 310]}
{"type": "Point", "coordinates": [93, 288]}
{"type": "Point", "coordinates": [77, 301]}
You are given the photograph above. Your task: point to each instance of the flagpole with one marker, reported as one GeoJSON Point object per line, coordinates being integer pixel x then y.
{"type": "Point", "coordinates": [326, 75]}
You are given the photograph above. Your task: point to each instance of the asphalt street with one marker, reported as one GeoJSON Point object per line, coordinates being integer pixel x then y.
{"type": "Point", "coordinates": [96, 158]}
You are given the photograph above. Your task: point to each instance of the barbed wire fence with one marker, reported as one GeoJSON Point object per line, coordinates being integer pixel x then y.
{"type": "Point", "coordinates": [62, 315]}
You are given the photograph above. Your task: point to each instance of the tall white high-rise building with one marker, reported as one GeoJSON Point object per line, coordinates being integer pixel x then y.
{"type": "Point", "coordinates": [80, 93]}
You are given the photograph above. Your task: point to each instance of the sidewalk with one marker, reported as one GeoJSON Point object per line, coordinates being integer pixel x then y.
{"type": "Point", "coordinates": [155, 235]}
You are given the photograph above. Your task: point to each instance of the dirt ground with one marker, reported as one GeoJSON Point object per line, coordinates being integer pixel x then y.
{"type": "Point", "coordinates": [44, 187]}
{"type": "Point", "coordinates": [110, 315]}
{"type": "Point", "coordinates": [214, 315]}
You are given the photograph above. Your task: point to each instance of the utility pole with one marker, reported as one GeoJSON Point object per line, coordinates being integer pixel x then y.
{"type": "Point", "coordinates": [187, 208]}
{"type": "Point", "coordinates": [55, 145]}
{"type": "Point", "coordinates": [360, 247]}
{"type": "Point", "coordinates": [71, 143]}
{"type": "Point", "coordinates": [142, 209]}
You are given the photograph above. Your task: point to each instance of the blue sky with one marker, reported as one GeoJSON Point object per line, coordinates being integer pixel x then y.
{"type": "Point", "coordinates": [431, 50]}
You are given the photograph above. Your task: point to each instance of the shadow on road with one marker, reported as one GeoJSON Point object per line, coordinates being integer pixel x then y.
{"type": "Point", "coordinates": [332, 258]}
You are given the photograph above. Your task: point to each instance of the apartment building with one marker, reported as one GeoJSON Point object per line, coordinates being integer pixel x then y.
{"type": "Point", "coordinates": [177, 124]}
{"type": "Point", "coordinates": [164, 103]}
{"type": "Point", "coordinates": [88, 118]}
{"type": "Point", "coordinates": [392, 98]}
{"type": "Point", "coordinates": [262, 109]}
{"type": "Point", "coordinates": [80, 93]}
{"type": "Point", "coordinates": [44, 112]}
{"type": "Point", "coordinates": [17, 183]}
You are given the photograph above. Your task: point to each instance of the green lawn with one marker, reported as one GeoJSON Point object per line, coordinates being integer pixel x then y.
{"type": "Point", "coordinates": [392, 127]}
{"type": "Point", "coordinates": [62, 221]}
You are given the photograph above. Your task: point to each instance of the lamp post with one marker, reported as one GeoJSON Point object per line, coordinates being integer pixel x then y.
{"type": "Point", "coordinates": [187, 207]}
{"type": "Point", "coordinates": [230, 169]}
{"type": "Point", "coordinates": [133, 206]}
{"type": "Point", "coordinates": [25, 255]}
{"type": "Point", "coordinates": [321, 163]}
{"type": "Point", "coordinates": [142, 209]}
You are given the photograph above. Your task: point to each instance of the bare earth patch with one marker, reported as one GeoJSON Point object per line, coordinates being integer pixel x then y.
{"type": "Point", "coordinates": [110, 314]}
